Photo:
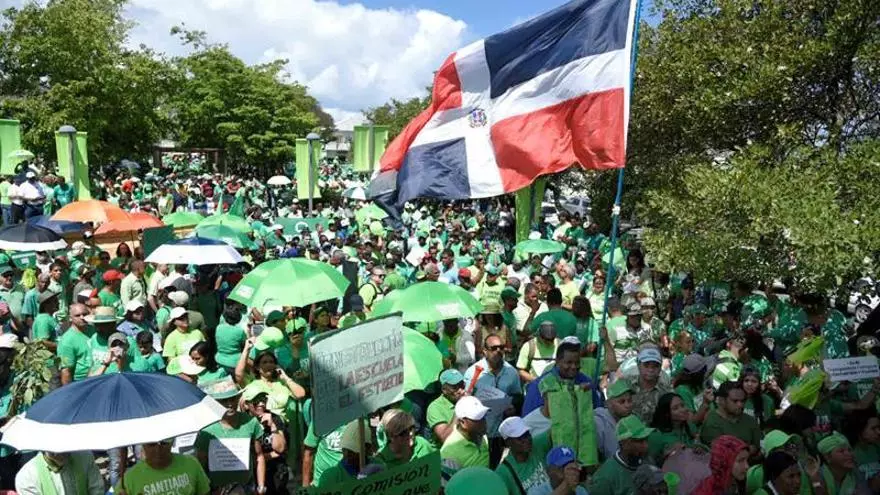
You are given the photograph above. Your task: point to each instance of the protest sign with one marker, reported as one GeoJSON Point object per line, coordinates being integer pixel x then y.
{"type": "Point", "coordinates": [185, 444]}
{"type": "Point", "coordinates": [418, 477]}
{"type": "Point", "coordinates": [355, 371]}
{"type": "Point", "coordinates": [155, 237]}
{"type": "Point", "coordinates": [24, 259]}
{"type": "Point", "coordinates": [852, 369]}
{"type": "Point", "coordinates": [293, 226]}
{"type": "Point", "coordinates": [229, 454]}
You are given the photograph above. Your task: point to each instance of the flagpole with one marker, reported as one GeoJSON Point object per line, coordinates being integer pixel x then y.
{"type": "Point", "coordinates": [615, 210]}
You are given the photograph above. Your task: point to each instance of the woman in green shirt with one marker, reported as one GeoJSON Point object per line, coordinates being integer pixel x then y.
{"type": "Point", "coordinates": [123, 256]}
{"type": "Point", "coordinates": [203, 355]}
{"type": "Point", "coordinates": [758, 404]}
{"type": "Point", "coordinates": [671, 428]}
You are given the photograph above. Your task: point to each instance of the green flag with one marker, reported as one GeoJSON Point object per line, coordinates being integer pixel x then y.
{"type": "Point", "coordinates": [361, 146]}
{"type": "Point", "coordinates": [528, 199]}
{"type": "Point", "coordinates": [292, 226]}
{"type": "Point", "coordinates": [302, 169]}
{"type": "Point", "coordinates": [81, 157]}
{"type": "Point", "coordinates": [10, 140]}
{"type": "Point", "coordinates": [237, 207]}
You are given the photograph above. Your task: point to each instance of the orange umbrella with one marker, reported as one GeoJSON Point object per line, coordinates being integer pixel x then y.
{"type": "Point", "coordinates": [91, 210]}
{"type": "Point", "coordinates": [134, 222]}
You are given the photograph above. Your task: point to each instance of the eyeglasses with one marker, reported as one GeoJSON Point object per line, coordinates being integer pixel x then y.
{"type": "Point", "coordinates": [494, 348]}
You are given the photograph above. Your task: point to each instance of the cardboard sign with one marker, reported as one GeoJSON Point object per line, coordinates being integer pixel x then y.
{"type": "Point", "coordinates": [418, 477]}
{"type": "Point", "coordinates": [185, 444]}
{"type": "Point", "coordinates": [229, 454]}
{"type": "Point", "coordinates": [852, 369]}
{"type": "Point", "coordinates": [155, 237]}
{"type": "Point", "coordinates": [355, 371]}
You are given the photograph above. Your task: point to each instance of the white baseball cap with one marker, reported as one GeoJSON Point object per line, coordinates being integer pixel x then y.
{"type": "Point", "coordinates": [470, 407]}
{"type": "Point", "coordinates": [571, 339]}
{"type": "Point", "coordinates": [133, 306]}
{"type": "Point", "coordinates": [177, 313]}
{"type": "Point", "coordinates": [513, 427]}
{"type": "Point", "coordinates": [179, 297]}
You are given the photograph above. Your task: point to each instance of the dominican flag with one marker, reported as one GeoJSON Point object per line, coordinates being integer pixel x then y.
{"type": "Point", "coordinates": [530, 101]}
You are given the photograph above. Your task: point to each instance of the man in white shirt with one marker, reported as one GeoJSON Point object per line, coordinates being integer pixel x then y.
{"type": "Point", "coordinates": [34, 196]}
{"type": "Point", "coordinates": [17, 206]}
{"type": "Point", "coordinates": [528, 308]}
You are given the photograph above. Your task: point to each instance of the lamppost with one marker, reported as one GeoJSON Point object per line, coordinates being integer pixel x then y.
{"type": "Point", "coordinates": [70, 132]}
{"type": "Point", "coordinates": [312, 165]}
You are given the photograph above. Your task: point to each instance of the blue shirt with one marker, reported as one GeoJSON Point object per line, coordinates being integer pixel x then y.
{"type": "Point", "coordinates": [450, 276]}
{"type": "Point", "coordinates": [507, 380]}
{"type": "Point", "coordinates": [534, 399]}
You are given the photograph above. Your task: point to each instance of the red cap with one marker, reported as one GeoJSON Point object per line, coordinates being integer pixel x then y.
{"type": "Point", "coordinates": [111, 275]}
{"type": "Point", "coordinates": [464, 273]}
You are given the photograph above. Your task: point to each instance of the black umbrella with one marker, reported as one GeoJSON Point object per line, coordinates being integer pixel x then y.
{"type": "Point", "coordinates": [27, 237]}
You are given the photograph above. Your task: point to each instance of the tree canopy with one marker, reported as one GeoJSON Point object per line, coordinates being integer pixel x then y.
{"type": "Point", "coordinates": [67, 62]}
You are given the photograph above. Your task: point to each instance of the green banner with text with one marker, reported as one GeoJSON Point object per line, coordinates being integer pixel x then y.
{"type": "Point", "coordinates": [293, 226]}
{"type": "Point", "coordinates": [417, 477]}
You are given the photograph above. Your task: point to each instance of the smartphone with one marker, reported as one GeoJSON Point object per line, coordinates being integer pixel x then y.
{"type": "Point", "coordinates": [257, 328]}
{"type": "Point", "coordinates": [584, 474]}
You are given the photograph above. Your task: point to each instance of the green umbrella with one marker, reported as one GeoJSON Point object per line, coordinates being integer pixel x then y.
{"type": "Point", "coordinates": [369, 213]}
{"type": "Point", "coordinates": [422, 361]}
{"type": "Point", "coordinates": [429, 301]}
{"type": "Point", "coordinates": [234, 222]}
{"type": "Point", "coordinates": [290, 282]}
{"type": "Point", "coordinates": [182, 219]}
{"type": "Point", "coordinates": [540, 246]}
{"type": "Point", "coordinates": [226, 234]}
{"type": "Point", "coordinates": [18, 156]}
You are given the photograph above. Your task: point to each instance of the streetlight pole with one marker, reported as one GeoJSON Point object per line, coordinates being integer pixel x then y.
{"type": "Point", "coordinates": [312, 165]}
{"type": "Point", "coordinates": [70, 132]}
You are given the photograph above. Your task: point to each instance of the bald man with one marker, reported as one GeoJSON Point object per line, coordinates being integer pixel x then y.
{"type": "Point", "coordinates": [73, 348]}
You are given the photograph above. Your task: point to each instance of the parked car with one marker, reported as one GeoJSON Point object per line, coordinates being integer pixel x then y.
{"type": "Point", "coordinates": [550, 213]}
{"type": "Point", "coordinates": [863, 298]}
{"type": "Point", "coordinates": [577, 205]}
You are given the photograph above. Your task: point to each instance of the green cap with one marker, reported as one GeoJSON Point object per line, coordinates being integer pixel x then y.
{"type": "Point", "coordinates": [475, 480]}
{"type": "Point", "coordinates": [832, 442]}
{"type": "Point", "coordinates": [618, 388]}
{"type": "Point", "coordinates": [509, 293]}
{"type": "Point", "coordinates": [271, 338]}
{"type": "Point", "coordinates": [631, 427]}
{"type": "Point", "coordinates": [493, 270]}
{"type": "Point", "coordinates": [451, 377]}
{"type": "Point", "coordinates": [274, 316]}
{"type": "Point", "coordinates": [223, 388]}
{"type": "Point", "coordinates": [251, 393]}
{"type": "Point", "coordinates": [773, 440]}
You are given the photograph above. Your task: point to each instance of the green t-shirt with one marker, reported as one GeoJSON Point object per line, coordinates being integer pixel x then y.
{"type": "Point", "coordinates": [767, 407]}
{"type": "Point", "coordinates": [440, 411]}
{"type": "Point", "coordinates": [111, 300]}
{"type": "Point", "coordinates": [211, 376]}
{"type": "Point", "coordinates": [328, 452]}
{"type": "Point", "coordinates": [421, 448]}
{"type": "Point", "coordinates": [4, 193]}
{"type": "Point", "coordinates": [230, 341]}
{"type": "Point", "coordinates": [178, 343]}
{"type": "Point", "coordinates": [660, 440]}
{"type": "Point", "coordinates": [147, 364]}
{"type": "Point", "coordinates": [867, 459]}
{"type": "Point", "coordinates": [44, 327]}
{"type": "Point", "coordinates": [530, 473]}
{"type": "Point", "coordinates": [613, 478]}
{"type": "Point", "coordinates": [74, 351]}
{"type": "Point", "coordinates": [459, 452]}
{"type": "Point", "coordinates": [31, 306]}
{"type": "Point", "coordinates": [745, 428]}
{"type": "Point", "coordinates": [184, 476]}
{"type": "Point", "coordinates": [212, 437]}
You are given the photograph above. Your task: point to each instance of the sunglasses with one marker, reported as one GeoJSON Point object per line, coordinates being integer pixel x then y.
{"type": "Point", "coordinates": [494, 348]}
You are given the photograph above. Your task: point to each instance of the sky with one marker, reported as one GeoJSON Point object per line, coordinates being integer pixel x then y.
{"type": "Point", "coordinates": [351, 54]}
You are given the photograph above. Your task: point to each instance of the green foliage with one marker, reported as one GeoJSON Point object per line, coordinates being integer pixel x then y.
{"type": "Point", "coordinates": [66, 62]}
{"type": "Point", "coordinates": [753, 125]}
{"type": "Point", "coordinates": [397, 114]}
{"type": "Point", "coordinates": [34, 366]}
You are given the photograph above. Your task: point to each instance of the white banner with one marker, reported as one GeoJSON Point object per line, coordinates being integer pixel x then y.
{"type": "Point", "coordinates": [852, 369]}
{"type": "Point", "coordinates": [356, 371]}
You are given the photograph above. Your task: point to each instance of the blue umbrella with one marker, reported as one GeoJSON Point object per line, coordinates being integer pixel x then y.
{"type": "Point", "coordinates": [110, 411]}
{"type": "Point", "coordinates": [57, 226]}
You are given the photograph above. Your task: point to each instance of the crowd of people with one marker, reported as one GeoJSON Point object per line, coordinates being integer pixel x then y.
{"type": "Point", "coordinates": [552, 389]}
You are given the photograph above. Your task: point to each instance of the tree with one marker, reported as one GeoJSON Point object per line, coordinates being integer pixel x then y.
{"type": "Point", "coordinates": [732, 100]}
{"type": "Point", "coordinates": [248, 110]}
{"type": "Point", "coordinates": [396, 114]}
{"type": "Point", "coordinates": [66, 63]}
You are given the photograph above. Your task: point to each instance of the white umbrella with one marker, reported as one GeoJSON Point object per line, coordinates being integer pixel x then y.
{"type": "Point", "coordinates": [195, 251]}
{"type": "Point", "coordinates": [279, 180]}
{"type": "Point", "coordinates": [358, 193]}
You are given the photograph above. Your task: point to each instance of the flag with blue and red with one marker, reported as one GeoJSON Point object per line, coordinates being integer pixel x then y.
{"type": "Point", "coordinates": [530, 101]}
